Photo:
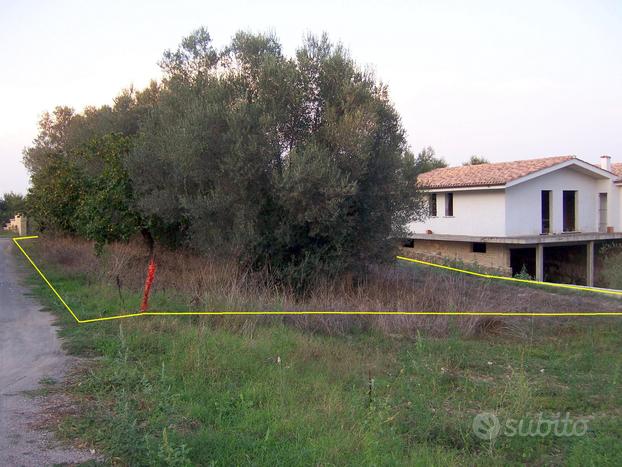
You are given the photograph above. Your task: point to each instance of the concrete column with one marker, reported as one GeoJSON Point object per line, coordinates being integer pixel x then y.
{"type": "Point", "coordinates": [539, 262]}
{"type": "Point", "coordinates": [590, 264]}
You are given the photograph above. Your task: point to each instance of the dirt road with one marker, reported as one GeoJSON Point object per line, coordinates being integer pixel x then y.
{"type": "Point", "coordinates": [30, 352]}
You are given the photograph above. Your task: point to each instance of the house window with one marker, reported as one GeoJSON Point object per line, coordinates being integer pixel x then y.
{"type": "Point", "coordinates": [432, 205]}
{"type": "Point", "coordinates": [478, 247]}
{"type": "Point", "coordinates": [570, 211]}
{"type": "Point", "coordinates": [408, 242]}
{"type": "Point", "coordinates": [602, 212]}
{"type": "Point", "coordinates": [449, 204]}
{"type": "Point", "coordinates": [546, 211]}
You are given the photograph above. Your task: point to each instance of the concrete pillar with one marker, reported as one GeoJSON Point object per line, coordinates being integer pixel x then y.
{"type": "Point", "coordinates": [539, 262]}
{"type": "Point", "coordinates": [590, 265]}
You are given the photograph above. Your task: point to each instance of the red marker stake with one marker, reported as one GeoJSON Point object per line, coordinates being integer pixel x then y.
{"type": "Point", "coordinates": [150, 276]}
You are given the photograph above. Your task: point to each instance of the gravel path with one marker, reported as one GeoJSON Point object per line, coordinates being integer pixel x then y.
{"type": "Point", "coordinates": [30, 352]}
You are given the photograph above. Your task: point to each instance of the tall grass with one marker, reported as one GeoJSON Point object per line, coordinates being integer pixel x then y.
{"type": "Point", "coordinates": [180, 391]}
{"type": "Point", "coordinates": [217, 284]}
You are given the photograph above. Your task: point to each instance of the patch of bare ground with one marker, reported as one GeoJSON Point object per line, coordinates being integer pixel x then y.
{"type": "Point", "coordinates": [55, 406]}
{"type": "Point", "coordinates": [37, 445]}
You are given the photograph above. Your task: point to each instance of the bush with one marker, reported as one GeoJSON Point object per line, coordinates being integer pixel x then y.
{"type": "Point", "coordinates": [611, 254]}
{"type": "Point", "coordinates": [523, 274]}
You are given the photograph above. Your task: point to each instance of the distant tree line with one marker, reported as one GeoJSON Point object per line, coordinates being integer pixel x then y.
{"type": "Point", "coordinates": [298, 166]}
{"type": "Point", "coordinates": [476, 160]}
{"type": "Point", "coordinates": [11, 204]}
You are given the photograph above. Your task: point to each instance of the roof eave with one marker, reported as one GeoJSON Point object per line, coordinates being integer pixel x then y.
{"type": "Point", "coordinates": [567, 163]}
{"type": "Point", "coordinates": [441, 189]}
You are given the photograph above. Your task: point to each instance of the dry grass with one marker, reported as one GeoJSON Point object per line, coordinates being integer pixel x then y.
{"type": "Point", "coordinates": [211, 284]}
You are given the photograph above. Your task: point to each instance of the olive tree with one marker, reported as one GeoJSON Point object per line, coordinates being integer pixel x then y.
{"type": "Point", "coordinates": [297, 165]}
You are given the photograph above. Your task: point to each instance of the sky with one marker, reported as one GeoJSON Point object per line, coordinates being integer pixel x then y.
{"type": "Point", "coordinates": [505, 80]}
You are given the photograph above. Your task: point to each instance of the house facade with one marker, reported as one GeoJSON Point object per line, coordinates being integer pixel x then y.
{"type": "Point", "coordinates": [537, 216]}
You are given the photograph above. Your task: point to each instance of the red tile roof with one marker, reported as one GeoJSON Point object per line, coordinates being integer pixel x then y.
{"type": "Point", "coordinates": [487, 174]}
{"type": "Point", "coordinates": [617, 169]}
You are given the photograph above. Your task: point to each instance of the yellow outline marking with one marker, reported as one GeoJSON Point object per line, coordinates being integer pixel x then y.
{"type": "Point", "coordinates": [281, 313]}
{"type": "Point", "coordinates": [16, 241]}
{"type": "Point", "coordinates": [514, 279]}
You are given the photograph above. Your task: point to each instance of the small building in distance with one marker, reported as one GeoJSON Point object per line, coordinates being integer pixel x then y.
{"type": "Point", "coordinates": [19, 225]}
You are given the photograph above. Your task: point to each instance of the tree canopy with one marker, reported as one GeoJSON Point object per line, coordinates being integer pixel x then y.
{"type": "Point", "coordinates": [10, 205]}
{"type": "Point", "coordinates": [425, 161]}
{"type": "Point", "coordinates": [476, 160]}
{"type": "Point", "coordinates": [294, 165]}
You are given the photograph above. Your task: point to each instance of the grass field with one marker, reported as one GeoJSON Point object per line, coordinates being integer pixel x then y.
{"type": "Point", "coordinates": [256, 391]}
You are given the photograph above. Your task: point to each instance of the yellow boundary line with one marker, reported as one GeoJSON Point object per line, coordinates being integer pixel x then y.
{"type": "Point", "coordinates": [16, 240]}
{"type": "Point", "coordinates": [514, 279]}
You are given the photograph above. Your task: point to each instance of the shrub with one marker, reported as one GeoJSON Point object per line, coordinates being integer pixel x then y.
{"type": "Point", "coordinates": [523, 274]}
{"type": "Point", "coordinates": [611, 274]}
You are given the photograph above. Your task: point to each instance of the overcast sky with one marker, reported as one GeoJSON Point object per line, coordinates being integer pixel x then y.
{"type": "Point", "coordinates": [502, 79]}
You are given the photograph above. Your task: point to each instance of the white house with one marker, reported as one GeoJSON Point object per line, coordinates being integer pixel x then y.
{"type": "Point", "coordinates": [533, 214]}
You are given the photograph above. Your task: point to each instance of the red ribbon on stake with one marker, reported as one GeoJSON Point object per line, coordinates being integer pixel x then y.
{"type": "Point", "coordinates": [148, 281]}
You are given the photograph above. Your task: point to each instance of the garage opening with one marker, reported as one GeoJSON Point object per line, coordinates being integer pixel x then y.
{"type": "Point", "coordinates": [565, 264]}
{"type": "Point", "coordinates": [523, 260]}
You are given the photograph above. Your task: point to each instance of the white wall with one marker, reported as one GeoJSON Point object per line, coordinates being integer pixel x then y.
{"type": "Point", "coordinates": [477, 212]}
{"type": "Point", "coordinates": [523, 202]}
{"type": "Point", "coordinates": [613, 203]}
{"type": "Point", "coordinates": [616, 221]}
